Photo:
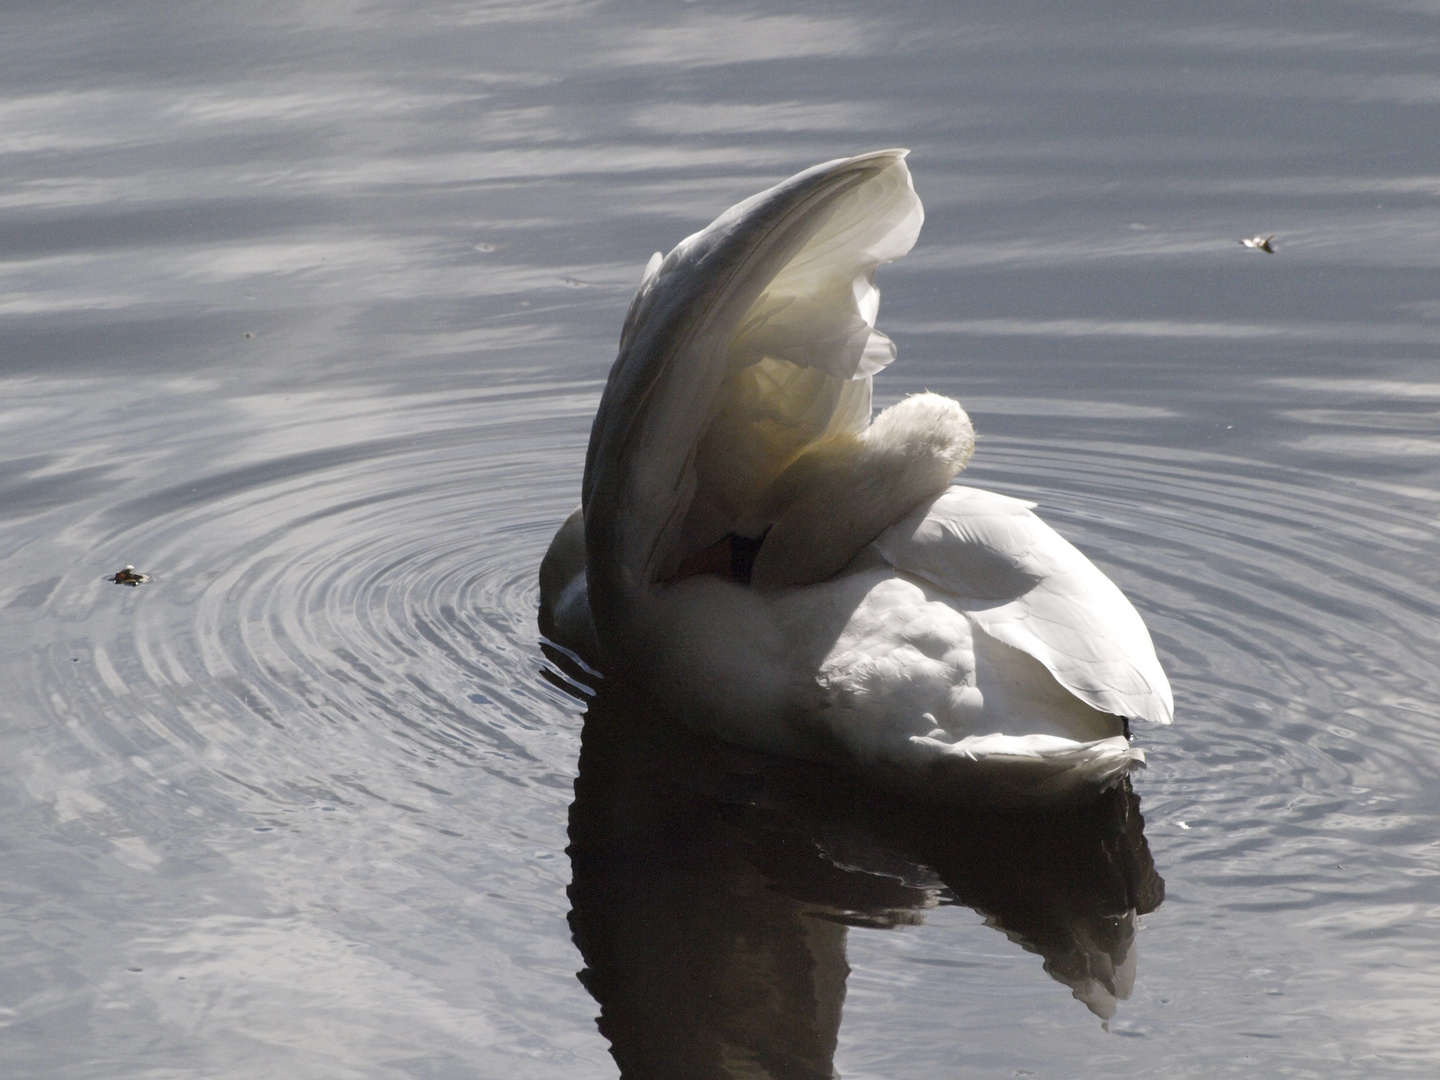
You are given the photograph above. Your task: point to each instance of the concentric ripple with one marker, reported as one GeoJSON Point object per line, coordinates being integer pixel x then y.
{"type": "Point", "coordinates": [386, 584]}
{"type": "Point", "coordinates": [329, 692]}
{"type": "Point", "coordinates": [1299, 619]}
{"type": "Point", "coordinates": [333, 686]}
{"type": "Point", "coordinates": [368, 594]}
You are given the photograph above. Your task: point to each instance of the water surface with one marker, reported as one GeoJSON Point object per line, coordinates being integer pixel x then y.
{"type": "Point", "coordinates": [304, 311]}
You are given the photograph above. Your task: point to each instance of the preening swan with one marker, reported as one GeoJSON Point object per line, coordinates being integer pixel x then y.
{"type": "Point", "coordinates": [775, 566]}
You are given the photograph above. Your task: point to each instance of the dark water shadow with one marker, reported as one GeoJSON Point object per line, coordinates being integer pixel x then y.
{"type": "Point", "coordinates": [712, 887]}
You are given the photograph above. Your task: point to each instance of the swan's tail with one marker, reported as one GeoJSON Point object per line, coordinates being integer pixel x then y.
{"type": "Point", "coordinates": [1020, 771]}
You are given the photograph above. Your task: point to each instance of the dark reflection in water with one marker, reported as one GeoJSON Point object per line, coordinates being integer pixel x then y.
{"type": "Point", "coordinates": [712, 887]}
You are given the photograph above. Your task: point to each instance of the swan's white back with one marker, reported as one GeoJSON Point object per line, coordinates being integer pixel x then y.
{"type": "Point", "coordinates": [946, 642]}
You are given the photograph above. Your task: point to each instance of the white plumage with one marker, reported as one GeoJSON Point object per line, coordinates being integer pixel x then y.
{"type": "Point", "coordinates": [779, 569]}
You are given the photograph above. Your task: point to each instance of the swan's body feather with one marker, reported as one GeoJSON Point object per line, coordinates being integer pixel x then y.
{"type": "Point", "coordinates": [938, 639]}
{"type": "Point", "coordinates": [1026, 586]}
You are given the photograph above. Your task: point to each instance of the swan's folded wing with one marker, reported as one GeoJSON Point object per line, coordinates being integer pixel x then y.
{"type": "Point", "coordinates": [1022, 583]}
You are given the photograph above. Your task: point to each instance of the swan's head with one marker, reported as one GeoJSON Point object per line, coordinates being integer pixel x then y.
{"type": "Point", "coordinates": [843, 491]}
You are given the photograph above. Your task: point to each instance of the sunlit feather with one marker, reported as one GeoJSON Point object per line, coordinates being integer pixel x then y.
{"type": "Point", "coordinates": [941, 640]}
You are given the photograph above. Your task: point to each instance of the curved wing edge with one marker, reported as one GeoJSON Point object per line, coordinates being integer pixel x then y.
{"type": "Point", "coordinates": [1024, 584]}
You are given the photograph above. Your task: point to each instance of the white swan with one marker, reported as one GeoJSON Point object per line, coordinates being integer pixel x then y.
{"type": "Point", "coordinates": [779, 569]}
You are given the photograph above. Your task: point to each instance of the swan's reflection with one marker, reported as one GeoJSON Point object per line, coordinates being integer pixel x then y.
{"type": "Point", "coordinates": [712, 887]}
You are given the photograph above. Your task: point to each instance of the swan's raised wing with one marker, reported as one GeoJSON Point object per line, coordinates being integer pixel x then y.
{"type": "Point", "coordinates": [1023, 584]}
{"type": "Point", "coordinates": [749, 341]}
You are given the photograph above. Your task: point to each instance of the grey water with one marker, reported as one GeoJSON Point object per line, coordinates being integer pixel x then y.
{"type": "Point", "coordinates": [304, 311]}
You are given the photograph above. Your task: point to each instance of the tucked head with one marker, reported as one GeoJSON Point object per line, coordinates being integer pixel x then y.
{"type": "Point", "coordinates": [842, 491]}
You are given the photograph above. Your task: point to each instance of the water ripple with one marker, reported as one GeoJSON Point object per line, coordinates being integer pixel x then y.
{"type": "Point", "coordinates": [1298, 620]}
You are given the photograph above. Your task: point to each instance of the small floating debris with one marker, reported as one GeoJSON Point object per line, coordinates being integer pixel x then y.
{"type": "Point", "coordinates": [1260, 243]}
{"type": "Point", "coordinates": [128, 576]}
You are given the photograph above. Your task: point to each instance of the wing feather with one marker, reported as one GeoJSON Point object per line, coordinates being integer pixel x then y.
{"type": "Point", "coordinates": [1023, 584]}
